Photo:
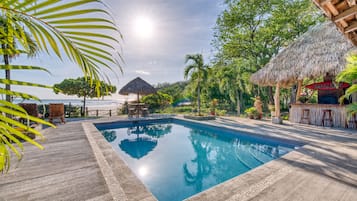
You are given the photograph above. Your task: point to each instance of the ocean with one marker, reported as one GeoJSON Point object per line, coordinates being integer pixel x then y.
{"type": "Point", "coordinates": [90, 103]}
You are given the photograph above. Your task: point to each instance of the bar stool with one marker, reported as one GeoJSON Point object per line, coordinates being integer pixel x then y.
{"type": "Point", "coordinates": [327, 116]}
{"type": "Point", "coordinates": [352, 120]}
{"type": "Point", "coordinates": [305, 116]}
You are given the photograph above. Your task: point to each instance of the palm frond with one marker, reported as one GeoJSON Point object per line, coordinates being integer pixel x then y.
{"type": "Point", "coordinates": [88, 37]}
{"type": "Point", "coordinates": [16, 82]}
{"type": "Point", "coordinates": [23, 67]}
{"type": "Point", "coordinates": [50, 22]}
{"type": "Point", "coordinates": [18, 94]}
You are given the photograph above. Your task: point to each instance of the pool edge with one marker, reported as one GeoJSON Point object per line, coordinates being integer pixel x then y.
{"type": "Point", "coordinates": [270, 167]}
{"type": "Point", "coordinates": [125, 185]}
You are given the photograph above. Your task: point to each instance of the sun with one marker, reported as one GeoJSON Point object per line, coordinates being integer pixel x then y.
{"type": "Point", "coordinates": [143, 27]}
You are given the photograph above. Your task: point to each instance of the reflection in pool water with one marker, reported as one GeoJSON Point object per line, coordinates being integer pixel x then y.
{"type": "Point", "coordinates": [178, 160]}
{"type": "Point", "coordinates": [138, 147]}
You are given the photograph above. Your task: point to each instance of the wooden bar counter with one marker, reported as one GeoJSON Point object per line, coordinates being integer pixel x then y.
{"type": "Point", "coordinates": [339, 115]}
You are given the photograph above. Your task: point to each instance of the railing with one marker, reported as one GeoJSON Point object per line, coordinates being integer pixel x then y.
{"type": "Point", "coordinates": [77, 111]}
{"type": "Point", "coordinates": [98, 112]}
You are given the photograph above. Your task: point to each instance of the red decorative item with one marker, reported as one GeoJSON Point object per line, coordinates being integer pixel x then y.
{"type": "Point", "coordinates": [328, 85]}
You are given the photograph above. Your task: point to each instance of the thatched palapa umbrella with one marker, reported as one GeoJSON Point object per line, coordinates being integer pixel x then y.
{"type": "Point", "coordinates": [320, 50]}
{"type": "Point", "coordinates": [137, 86]}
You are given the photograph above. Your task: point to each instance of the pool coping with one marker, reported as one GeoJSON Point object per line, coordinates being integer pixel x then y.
{"type": "Point", "coordinates": [116, 172]}
{"type": "Point", "coordinates": [108, 159]}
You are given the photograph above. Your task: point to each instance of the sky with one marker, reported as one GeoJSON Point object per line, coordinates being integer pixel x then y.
{"type": "Point", "coordinates": [157, 34]}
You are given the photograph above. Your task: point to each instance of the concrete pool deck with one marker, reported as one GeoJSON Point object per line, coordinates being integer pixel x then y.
{"type": "Point", "coordinates": [78, 164]}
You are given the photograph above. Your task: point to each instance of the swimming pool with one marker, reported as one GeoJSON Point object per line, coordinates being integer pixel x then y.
{"type": "Point", "coordinates": [176, 159]}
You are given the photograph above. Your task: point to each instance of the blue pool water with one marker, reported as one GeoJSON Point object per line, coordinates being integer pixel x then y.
{"type": "Point", "coordinates": [176, 159]}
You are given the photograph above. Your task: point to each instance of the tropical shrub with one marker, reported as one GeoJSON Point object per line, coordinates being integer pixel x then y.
{"type": "Point", "coordinates": [350, 75]}
{"type": "Point", "coordinates": [252, 112]}
{"type": "Point", "coordinates": [157, 101]}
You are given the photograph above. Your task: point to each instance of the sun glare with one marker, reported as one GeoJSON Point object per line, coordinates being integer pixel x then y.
{"type": "Point", "coordinates": [143, 171]}
{"type": "Point", "coordinates": [143, 27]}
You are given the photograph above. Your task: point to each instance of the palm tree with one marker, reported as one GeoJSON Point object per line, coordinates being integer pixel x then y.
{"type": "Point", "coordinates": [82, 31]}
{"type": "Point", "coordinates": [198, 71]}
{"type": "Point", "coordinates": [350, 75]}
{"type": "Point", "coordinates": [11, 50]}
{"type": "Point", "coordinates": [227, 84]}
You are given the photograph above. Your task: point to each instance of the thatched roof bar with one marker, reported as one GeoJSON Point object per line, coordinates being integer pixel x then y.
{"type": "Point", "coordinates": [345, 14]}
{"type": "Point", "coordinates": [324, 2]}
{"type": "Point", "coordinates": [320, 50]}
{"type": "Point", "coordinates": [352, 27]}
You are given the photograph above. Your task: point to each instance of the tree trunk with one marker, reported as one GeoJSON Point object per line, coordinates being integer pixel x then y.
{"type": "Point", "coordinates": [241, 101]}
{"type": "Point", "coordinates": [238, 104]}
{"type": "Point", "coordinates": [84, 106]}
{"type": "Point", "coordinates": [293, 94]}
{"type": "Point", "coordinates": [198, 101]}
{"type": "Point", "coordinates": [270, 95]}
{"type": "Point", "coordinates": [7, 73]}
{"type": "Point", "coordinates": [298, 91]}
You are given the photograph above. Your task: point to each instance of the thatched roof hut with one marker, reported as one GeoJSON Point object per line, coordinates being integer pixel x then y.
{"type": "Point", "coordinates": [320, 50]}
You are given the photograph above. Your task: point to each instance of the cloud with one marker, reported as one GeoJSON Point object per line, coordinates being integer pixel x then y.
{"type": "Point", "coordinates": [181, 27]}
{"type": "Point", "coordinates": [141, 72]}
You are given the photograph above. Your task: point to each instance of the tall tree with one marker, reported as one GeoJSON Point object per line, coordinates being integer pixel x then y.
{"type": "Point", "coordinates": [175, 90]}
{"type": "Point", "coordinates": [232, 80]}
{"type": "Point", "coordinates": [198, 71]}
{"type": "Point", "coordinates": [82, 31]}
{"type": "Point", "coordinates": [252, 31]}
{"type": "Point", "coordinates": [82, 87]}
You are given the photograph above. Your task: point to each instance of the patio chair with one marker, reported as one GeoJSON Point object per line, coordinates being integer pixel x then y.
{"type": "Point", "coordinates": [131, 112]}
{"type": "Point", "coordinates": [144, 112]}
{"type": "Point", "coordinates": [32, 110]}
{"type": "Point", "coordinates": [56, 110]}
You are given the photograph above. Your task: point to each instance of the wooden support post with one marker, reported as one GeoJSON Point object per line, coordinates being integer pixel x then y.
{"type": "Point", "coordinates": [277, 119]}
{"type": "Point", "coordinates": [70, 109]}
{"type": "Point", "coordinates": [277, 100]}
{"type": "Point", "coordinates": [298, 91]}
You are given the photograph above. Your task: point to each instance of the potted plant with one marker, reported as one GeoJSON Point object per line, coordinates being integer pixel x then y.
{"type": "Point", "coordinates": [272, 110]}
{"type": "Point", "coordinates": [214, 103]}
{"type": "Point", "coordinates": [303, 99]}
{"type": "Point", "coordinates": [252, 113]}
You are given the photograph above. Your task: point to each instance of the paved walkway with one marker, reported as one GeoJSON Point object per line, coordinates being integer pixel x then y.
{"type": "Point", "coordinates": [324, 169]}
{"type": "Point", "coordinates": [80, 166]}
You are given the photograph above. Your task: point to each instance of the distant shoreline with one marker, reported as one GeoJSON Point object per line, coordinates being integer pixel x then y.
{"type": "Point", "coordinates": [90, 103]}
